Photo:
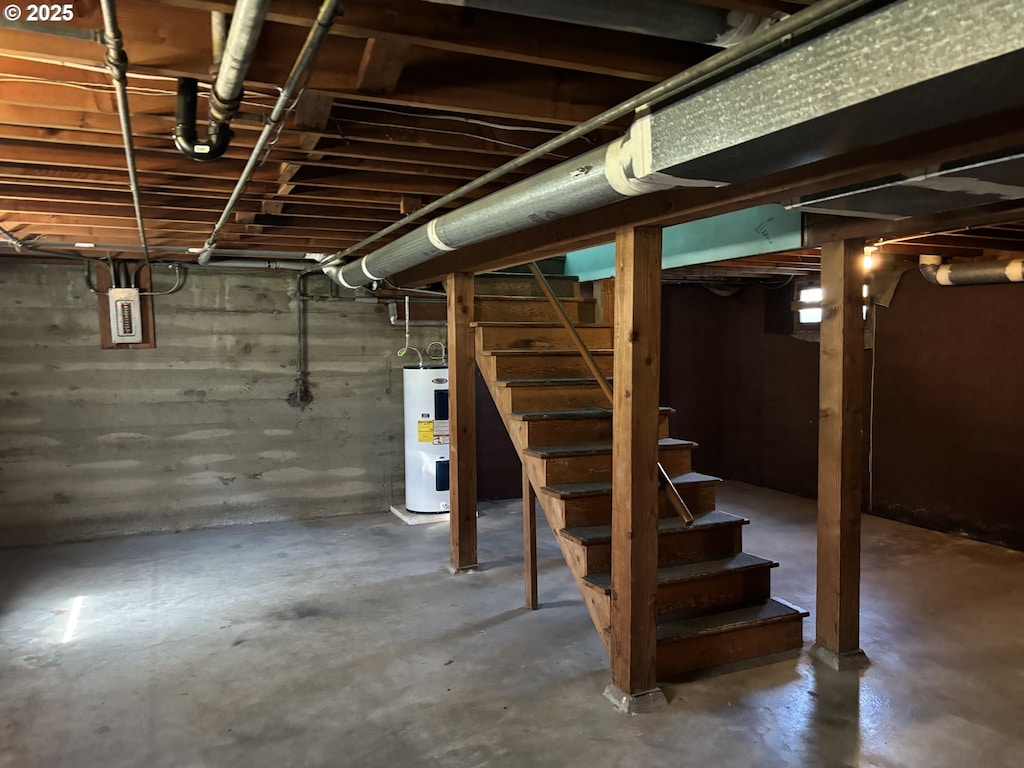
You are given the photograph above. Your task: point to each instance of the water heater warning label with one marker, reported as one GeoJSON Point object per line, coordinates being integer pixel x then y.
{"type": "Point", "coordinates": [425, 431]}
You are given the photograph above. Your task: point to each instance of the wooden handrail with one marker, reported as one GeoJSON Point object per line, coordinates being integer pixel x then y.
{"type": "Point", "coordinates": [602, 381]}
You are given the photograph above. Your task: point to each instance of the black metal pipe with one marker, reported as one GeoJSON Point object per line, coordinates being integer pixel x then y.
{"type": "Point", "coordinates": [218, 134]}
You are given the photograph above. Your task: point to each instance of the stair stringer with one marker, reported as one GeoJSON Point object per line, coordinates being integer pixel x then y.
{"type": "Point", "coordinates": [598, 605]}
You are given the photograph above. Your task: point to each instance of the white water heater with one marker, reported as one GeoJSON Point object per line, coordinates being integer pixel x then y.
{"type": "Point", "coordinates": [426, 439]}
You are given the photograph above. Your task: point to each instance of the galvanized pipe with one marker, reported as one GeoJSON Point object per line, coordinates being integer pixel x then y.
{"type": "Point", "coordinates": [314, 39]}
{"type": "Point", "coordinates": [117, 63]}
{"type": "Point", "coordinates": [246, 22]}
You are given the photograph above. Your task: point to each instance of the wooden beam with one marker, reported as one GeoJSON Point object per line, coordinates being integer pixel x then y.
{"type": "Point", "coordinates": [634, 475]}
{"type": "Point", "coordinates": [841, 476]}
{"type": "Point", "coordinates": [677, 206]}
{"type": "Point", "coordinates": [604, 293]}
{"type": "Point", "coordinates": [496, 35]}
{"type": "Point", "coordinates": [382, 64]}
{"type": "Point", "coordinates": [759, 7]}
{"type": "Point", "coordinates": [529, 541]}
{"type": "Point", "coordinates": [462, 413]}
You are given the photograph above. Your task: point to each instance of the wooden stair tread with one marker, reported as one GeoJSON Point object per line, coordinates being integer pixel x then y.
{"type": "Point", "coordinates": [592, 449]}
{"type": "Point", "coordinates": [601, 534]}
{"type": "Point", "coordinates": [552, 382]}
{"type": "Point", "coordinates": [673, 574]}
{"type": "Point", "coordinates": [679, 626]}
{"type": "Point", "coordinates": [542, 352]}
{"type": "Point", "coordinates": [601, 487]}
{"type": "Point", "coordinates": [531, 325]}
{"type": "Point", "coordinates": [591, 412]}
{"type": "Point", "coordinates": [533, 299]}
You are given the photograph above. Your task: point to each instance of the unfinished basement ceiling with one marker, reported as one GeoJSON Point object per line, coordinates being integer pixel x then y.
{"type": "Point", "coordinates": [407, 101]}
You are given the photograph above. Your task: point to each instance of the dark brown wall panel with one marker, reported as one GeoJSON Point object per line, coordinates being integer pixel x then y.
{"type": "Point", "coordinates": [949, 410]}
{"type": "Point", "coordinates": [748, 397]}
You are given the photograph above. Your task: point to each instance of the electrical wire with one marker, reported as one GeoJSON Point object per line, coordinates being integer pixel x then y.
{"type": "Point", "coordinates": [512, 145]}
{"type": "Point", "coordinates": [460, 118]}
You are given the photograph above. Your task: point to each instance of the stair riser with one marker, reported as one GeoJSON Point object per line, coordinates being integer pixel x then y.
{"type": "Point", "coordinates": [512, 337]}
{"type": "Point", "coordinates": [681, 657]}
{"type": "Point", "coordinates": [716, 591]}
{"type": "Point", "coordinates": [525, 285]}
{"type": "Point", "coordinates": [583, 469]}
{"type": "Point", "coordinates": [550, 398]}
{"type": "Point", "coordinates": [597, 510]}
{"type": "Point", "coordinates": [496, 310]}
{"type": "Point", "coordinates": [567, 431]}
{"type": "Point", "coordinates": [676, 546]}
{"type": "Point", "coordinates": [541, 367]}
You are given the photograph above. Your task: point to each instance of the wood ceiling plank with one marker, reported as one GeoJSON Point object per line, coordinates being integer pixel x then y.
{"type": "Point", "coordinates": [759, 7]}
{"type": "Point", "coordinates": [487, 33]}
{"type": "Point", "coordinates": [382, 64]}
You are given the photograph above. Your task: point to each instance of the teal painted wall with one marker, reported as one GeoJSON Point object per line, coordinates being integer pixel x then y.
{"type": "Point", "coordinates": [765, 229]}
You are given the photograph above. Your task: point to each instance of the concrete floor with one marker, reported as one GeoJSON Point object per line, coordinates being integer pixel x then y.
{"type": "Point", "coordinates": [343, 643]}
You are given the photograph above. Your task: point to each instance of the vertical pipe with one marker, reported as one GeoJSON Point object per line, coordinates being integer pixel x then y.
{"type": "Point", "coordinates": [117, 63]}
{"type": "Point", "coordinates": [317, 33]}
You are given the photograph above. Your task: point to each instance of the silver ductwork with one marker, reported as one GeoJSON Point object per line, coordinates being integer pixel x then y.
{"type": "Point", "coordinates": [972, 272]}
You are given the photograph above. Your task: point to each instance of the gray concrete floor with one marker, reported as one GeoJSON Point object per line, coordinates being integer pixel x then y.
{"type": "Point", "coordinates": [343, 643]}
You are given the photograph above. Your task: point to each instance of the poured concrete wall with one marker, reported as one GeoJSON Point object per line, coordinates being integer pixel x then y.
{"type": "Point", "coordinates": [196, 432]}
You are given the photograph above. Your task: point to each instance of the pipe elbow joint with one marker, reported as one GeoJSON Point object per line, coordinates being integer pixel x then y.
{"type": "Point", "coordinates": [929, 267]}
{"type": "Point", "coordinates": [218, 134]}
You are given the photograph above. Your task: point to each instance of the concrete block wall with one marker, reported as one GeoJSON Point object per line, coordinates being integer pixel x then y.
{"type": "Point", "coordinates": [196, 432]}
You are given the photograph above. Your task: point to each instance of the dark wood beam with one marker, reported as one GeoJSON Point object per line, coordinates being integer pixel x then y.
{"type": "Point", "coordinates": [996, 133]}
{"type": "Point", "coordinates": [841, 446]}
{"type": "Point", "coordinates": [498, 35]}
{"type": "Point", "coordinates": [819, 229]}
{"type": "Point", "coordinates": [462, 413]}
{"type": "Point", "coordinates": [759, 7]}
{"type": "Point", "coordinates": [529, 541]}
{"type": "Point", "coordinates": [382, 64]}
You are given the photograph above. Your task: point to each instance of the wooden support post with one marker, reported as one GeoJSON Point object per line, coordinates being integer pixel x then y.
{"type": "Point", "coordinates": [604, 293]}
{"type": "Point", "coordinates": [462, 413]}
{"type": "Point", "coordinates": [634, 475]}
{"type": "Point", "coordinates": [840, 456]}
{"type": "Point", "coordinates": [529, 541]}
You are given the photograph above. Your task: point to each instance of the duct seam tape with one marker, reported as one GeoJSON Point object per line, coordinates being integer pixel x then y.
{"type": "Point", "coordinates": [435, 239]}
{"type": "Point", "coordinates": [1015, 271]}
{"type": "Point", "coordinates": [368, 273]}
{"type": "Point", "coordinates": [616, 161]}
{"type": "Point", "coordinates": [342, 281]}
{"type": "Point", "coordinates": [942, 275]}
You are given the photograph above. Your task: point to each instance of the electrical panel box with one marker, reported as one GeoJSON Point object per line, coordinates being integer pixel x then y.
{"type": "Point", "coordinates": [125, 315]}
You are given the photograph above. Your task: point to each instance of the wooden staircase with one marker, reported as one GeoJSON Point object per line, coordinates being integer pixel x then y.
{"type": "Point", "coordinates": [713, 601]}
